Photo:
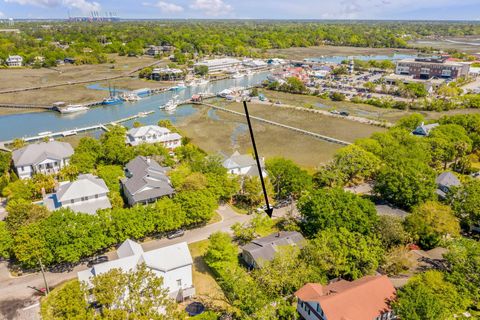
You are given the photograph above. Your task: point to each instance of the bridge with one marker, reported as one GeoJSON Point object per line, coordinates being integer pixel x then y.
{"type": "Point", "coordinates": [281, 125]}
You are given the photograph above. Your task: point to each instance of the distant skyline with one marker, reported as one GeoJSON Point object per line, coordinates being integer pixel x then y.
{"type": "Point", "coordinates": [247, 9]}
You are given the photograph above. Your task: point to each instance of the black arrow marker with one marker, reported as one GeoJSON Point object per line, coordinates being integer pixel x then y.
{"type": "Point", "coordinates": [269, 210]}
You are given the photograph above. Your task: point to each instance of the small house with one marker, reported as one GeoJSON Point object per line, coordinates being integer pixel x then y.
{"type": "Point", "coordinates": [424, 129]}
{"type": "Point", "coordinates": [445, 181]}
{"type": "Point", "coordinates": [243, 164]}
{"type": "Point", "coordinates": [14, 61]}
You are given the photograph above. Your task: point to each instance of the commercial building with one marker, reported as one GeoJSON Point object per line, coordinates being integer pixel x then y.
{"type": "Point", "coordinates": [426, 68]}
{"type": "Point", "coordinates": [216, 65]}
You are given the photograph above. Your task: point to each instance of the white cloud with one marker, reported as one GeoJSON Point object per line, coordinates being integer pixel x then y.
{"type": "Point", "coordinates": [212, 7]}
{"type": "Point", "coordinates": [82, 5]}
{"type": "Point", "coordinates": [167, 7]}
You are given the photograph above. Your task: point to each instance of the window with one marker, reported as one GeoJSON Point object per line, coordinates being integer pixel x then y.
{"type": "Point", "coordinates": [72, 201]}
{"type": "Point", "coordinates": [96, 196]}
{"type": "Point", "coordinates": [179, 282]}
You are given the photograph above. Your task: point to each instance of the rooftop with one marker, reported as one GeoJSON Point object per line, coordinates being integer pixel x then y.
{"type": "Point", "coordinates": [33, 154]}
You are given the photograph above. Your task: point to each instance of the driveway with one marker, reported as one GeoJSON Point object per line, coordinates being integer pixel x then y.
{"type": "Point", "coordinates": [18, 301]}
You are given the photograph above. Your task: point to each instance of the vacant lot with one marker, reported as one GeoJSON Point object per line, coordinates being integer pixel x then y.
{"type": "Point", "coordinates": [315, 52]}
{"type": "Point", "coordinates": [216, 131]}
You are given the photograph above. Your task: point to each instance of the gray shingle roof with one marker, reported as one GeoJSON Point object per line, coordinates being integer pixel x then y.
{"type": "Point", "coordinates": [146, 174]}
{"type": "Point", "coordinates": [87, 185]}
{"type": "Point", "coordinates": [264, 249]}
{"type": "Point", "coordinates": [238, 160]}
{"type": "Point", "coordinates": [448, 180]}
{"type": "Point", "coordinates": [38, 152]}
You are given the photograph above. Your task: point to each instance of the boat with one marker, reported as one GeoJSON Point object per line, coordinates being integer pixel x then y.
{"type": "Point", "coordinates": [203, 82]}
{"type": "Point", "coordinates": [237, 75]}
{"type": "Point", "coordinates": [180, 86]}
{"type": "Point", "coordinates": [45, 133]}
{"type": "Point", "coordinates": [130, 97]}
{"type": "Point", "coordinates": [171, 104]}
{"type": "Point", "coordinates": [111, 100]}
{"type": "Point", "coordinates": [69, 133]}
{"type": "Point", "coordinates": [72, 108]}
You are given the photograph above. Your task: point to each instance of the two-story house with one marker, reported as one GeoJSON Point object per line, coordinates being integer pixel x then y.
{"type": "Point", "coordinates": [87, 194]}
{"type": "Point", "coordinates": [364, 299]}
{"type": "Point", "coordinates": [153, 134]}
{"type": "Point", "coordinates": [145, 181]}
{"type": "Point", "coordinates": [243, 164]}
{"type": "Point", "coordinates": [44, 157]}
{"type": "Point", "coordinates": [14, 61]}
{"type": "Point", "coordinates": [172, 263]}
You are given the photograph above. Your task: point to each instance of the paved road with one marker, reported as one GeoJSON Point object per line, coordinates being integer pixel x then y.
{"type": "Point", "coordinates": [15, 294]}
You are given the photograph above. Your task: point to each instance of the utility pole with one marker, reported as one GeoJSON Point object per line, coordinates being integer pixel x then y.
{"type": "Point", "coordinates": [269, 210]}
{"type": "Point", "coordinates": [43, 275]}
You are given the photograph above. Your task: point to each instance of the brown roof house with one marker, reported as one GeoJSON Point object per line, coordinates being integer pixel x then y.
{"type": "Point", "coordinates": [363, 299]}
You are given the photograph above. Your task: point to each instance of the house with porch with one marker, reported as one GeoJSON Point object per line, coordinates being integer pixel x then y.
{"type": "Point", "coordinates": [44, 157]}
{"type": "Point", "coordinates": [154, 134]}
{"type": "Point", "coordinates": [87, 194]}
{"type": "Point", "coordinates": [172, 263]}
{"type": "Point", "coordinates": [366, 298]}
{"type": "Point", "coordinates": [145, 181]}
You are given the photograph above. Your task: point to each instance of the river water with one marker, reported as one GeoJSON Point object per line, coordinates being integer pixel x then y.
{"type": "Point", "coordinates": [30, 124]}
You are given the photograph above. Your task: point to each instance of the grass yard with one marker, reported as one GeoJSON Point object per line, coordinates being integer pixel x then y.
{"type": "Point", "coordinates": [207, 289]}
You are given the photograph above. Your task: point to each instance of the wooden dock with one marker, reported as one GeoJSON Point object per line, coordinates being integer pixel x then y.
{"type": "Point", "coordinates": [305, 132]}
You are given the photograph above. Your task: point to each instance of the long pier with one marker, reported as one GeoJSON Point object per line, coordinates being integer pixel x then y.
{"type": "Point", "coordinates": [71, 132]}
{"type": "Point", "coordinates": [281, 125]}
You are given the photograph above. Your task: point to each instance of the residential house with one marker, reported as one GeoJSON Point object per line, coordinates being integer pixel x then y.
{"type": "Point", "coordinates": [243, 164]}
{"type": "Point", "coordinates": [14, 61]}
{"type": "Point", "coordinates": [167, 74]}
{"type": "Point", "coordinates": [87, 194]}
{"type": "Point", "coordinates": [424, 129]}
{"type": "Point", "coordinates": [172, 263]}
{"type": "Point", "coordinates": [261, 250]}
{"type": "Point", "coordinates": [154, 134]}
{"type": "Point", "coordinates": [364, 299]}
{"type": "Point", "coordinates": [145, 181]}
{"type": "Point", "coordinates": [44, 157]}
{"type": "Point", "coordinates": [157, 50]}
{"type": "Point", "coordinates": [445, 181]}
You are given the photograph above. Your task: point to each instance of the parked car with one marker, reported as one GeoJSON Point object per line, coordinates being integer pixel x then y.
{"type": "Point", "coordinates": [97, 260]}
{"type": "Point", "coordinates": [344, 113]}
{"type": "Point", "coordinates": [176, 234]}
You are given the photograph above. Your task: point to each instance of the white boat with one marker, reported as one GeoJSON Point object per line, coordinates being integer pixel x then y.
{"type": "Point", "coordinates": [44, 133]}
{"type": "Point", "coordinates": [69, 133]}
{"type": "Point", "coordinates": [237, 75]}
{"type": "Point", "coordinates": [171, 104]}
{"type": "Point", "coordinates": [72, 108]}
{"type": "Point", "coordinates": [130, 97]}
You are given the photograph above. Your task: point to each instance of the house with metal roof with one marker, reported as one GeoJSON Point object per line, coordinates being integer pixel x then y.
{"type": "Point", "coordinates": [145, 181]}
{"type": "Point", "coordinates": [424, 129]}
{"type": "Point", "coordinates": [243, 164]}
{"type": "Point", "coordinates": [45, 157]}
{"type": "Point", "coordinates": [172, 263]}
{"type": "Point", "coordinates": [262, 250]}
{"type": "Point", "coordinates": [445, 181]}
{"type": "Point", "coordinates": [364, 299]}
{"type": "Point", "coordinates": [154, 134]}
{"type": "Point", "coordinates": [87, 194]}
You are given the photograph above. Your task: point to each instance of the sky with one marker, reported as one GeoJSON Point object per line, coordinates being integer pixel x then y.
{"type": "Point", "coordinates": [247, 9]}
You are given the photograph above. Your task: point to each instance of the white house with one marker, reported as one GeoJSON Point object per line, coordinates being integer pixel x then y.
{"type": "Point", "coordinates": [14, 61]}
{"type": "Point", "coordinates": [154, 134]}
{"type": "Point", "coordinates": [87, 194]}
{"type": "Point", "coordinates": [44, 157]}
{"type": "Point", "coordinates": [243, 164]}
{"type": "Point", "coordinates": [364, 299]}
{"type": "Point", "coordinates": [172, 263]}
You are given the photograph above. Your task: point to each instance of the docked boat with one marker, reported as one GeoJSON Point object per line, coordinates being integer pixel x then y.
{"type": "Point", "coordinates": [72, 108]}
{"type": "Point", "coordinates": [130, 97]}
{"type": "Point", "coordinates": [44, 133]}
{"type": "Point", "coordinates": [237, 75]}
{"type": "Point", "coordinates": [111, 100]}
{"type": "Point", "coordinates": [179, 86]}
{"type": "Point", "coordinates": [171, 104]}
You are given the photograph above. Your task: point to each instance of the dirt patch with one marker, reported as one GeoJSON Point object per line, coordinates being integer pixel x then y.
{"type": "Point", "coordinates": [315, 52]}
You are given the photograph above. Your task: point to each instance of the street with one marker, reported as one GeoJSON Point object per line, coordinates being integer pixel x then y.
{"type": "Point", "coordinates": [18, 301]}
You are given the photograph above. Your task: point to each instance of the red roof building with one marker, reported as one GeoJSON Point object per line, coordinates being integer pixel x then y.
{"type": "Point", "coordinates": [363, 299]}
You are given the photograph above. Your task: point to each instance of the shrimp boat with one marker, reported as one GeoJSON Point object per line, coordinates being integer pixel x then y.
{"type": "Point", "coordinates": [171, 104]}
{"type": "Point", "coordinates": [113, 98]}
{"type": "Point", "coordinates": [72, 108]}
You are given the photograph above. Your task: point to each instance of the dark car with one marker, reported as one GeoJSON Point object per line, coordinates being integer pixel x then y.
{"type": "Point", "coordinates": [344, 113]}
{"type": "Point", "coordinates": [176, 234]}
{"type": "Point", "coordinates": [97, 260]}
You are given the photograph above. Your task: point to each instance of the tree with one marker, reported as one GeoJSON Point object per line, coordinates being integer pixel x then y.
{"type": "Point", "coordinates": [20, 189]}
{"type": "Point", "coordinates": [411, 122]}
{"type": "Point", "coordinates": [22, 212]}
{"type": "Point", "coordinates": [87, 154]}
{"type": "Point", "coordinates": [198, 206]}
{"type": "Point", "coordinates": [416, 89]}
{"type": "Point", "coordinates": [405, 183]}
{"type": "Point", "coordinates": [260, 225]}
{"type": "Point", "coordinates": [251, 193]}
{"type": "Point", "coordinates": [67, 302]}
{"type": "Point", "coordinates": [30, 247]}
{"type": "Point", "coordinates": [391, 232]}
{"type": "Point", "coordinates": [430, 222]}
{"type": "Point", "coordinates": [111, 174]}
{"type": "Point", "coordinates": [220, 251]}
{"type": "Point", "coordinates": [6, 241]}
{"type": "Point", "coordinates": [287, 178]}
{"type": "Point", "coordinates": [68, 173]}
{"type": "Point", "coordinates": [341, 253]}
{"type": "Point", "coordinates": [5, 161]}
{"type": "Point", "coordinates": [201, 70]}
{"type": "Point", "coordinates": [145, 73]}
{"type": "Point", "coordinates": [356, 164]}
{"type": "Point", "coordinates": [337, 96]}
{"type": "Point", "coordinates": [427, 296]}
{"type": "Point", "coordinates": [465, 202]}
{"type": "Point", "coordinates": [114, 149]}
{"type": "Point", "coordinates": [450, 142]}
{"type": "Point", "coordinates": [294, 85]}
{"type": "Point", "coordinates": [335, 208]}
{"type": "Point", "coordinates": [397, 260]}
